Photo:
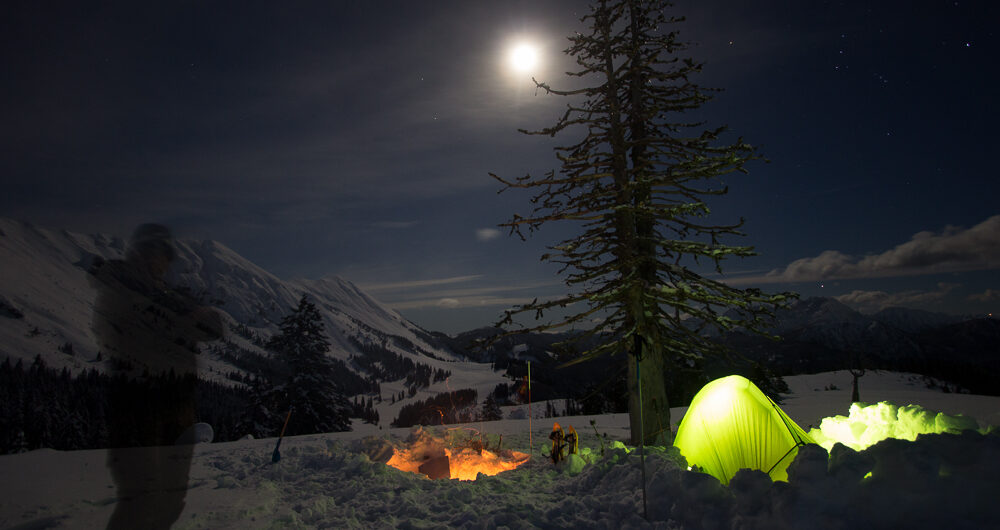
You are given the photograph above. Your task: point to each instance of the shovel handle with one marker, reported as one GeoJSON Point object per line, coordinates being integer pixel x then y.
{"type": "Point", "coordinates": [283, 427]}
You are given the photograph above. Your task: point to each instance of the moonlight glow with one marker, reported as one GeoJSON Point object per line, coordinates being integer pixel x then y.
{"type": "Point", "coordinates": [523, 57]}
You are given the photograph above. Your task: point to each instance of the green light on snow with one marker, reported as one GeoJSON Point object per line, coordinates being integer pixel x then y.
{"type": "Point", "coordinates": [869, 424]}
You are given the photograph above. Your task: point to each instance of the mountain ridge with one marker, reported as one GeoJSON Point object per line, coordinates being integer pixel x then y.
{"type": "Point", "coordinates": [47, 302]}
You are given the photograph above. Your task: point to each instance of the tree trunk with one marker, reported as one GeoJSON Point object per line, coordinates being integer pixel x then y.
{"type": "Point", "coordinates": [655, 418]}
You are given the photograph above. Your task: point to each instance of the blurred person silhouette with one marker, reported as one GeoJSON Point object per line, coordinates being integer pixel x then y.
{"type": "Point", "coordinates": [150, 332]}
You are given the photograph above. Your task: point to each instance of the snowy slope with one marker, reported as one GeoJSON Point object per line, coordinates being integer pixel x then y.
{"type": "Point", "coordinates": [326, 481]}
{"type": "Point", "coordinates": [47, 301]}
{"type": "Point", "coordinates": [44, 278]}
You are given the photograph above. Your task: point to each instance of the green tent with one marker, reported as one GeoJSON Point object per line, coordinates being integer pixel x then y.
{"type": "Point", "coordinates": [732, 425]}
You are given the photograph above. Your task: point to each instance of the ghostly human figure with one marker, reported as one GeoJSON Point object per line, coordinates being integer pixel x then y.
{"type": "Point", "coordinates": [150, 332]}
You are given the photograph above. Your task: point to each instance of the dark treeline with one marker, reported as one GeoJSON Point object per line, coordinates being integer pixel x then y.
{"type": "Point", "coordinates": [502, 394]}
{"type": "Point", "coordinates": [244, 331]}
{"type": "Point", "coordinates": [365, 410]}
{"type": "Point", "coordinates": [448, 407]}
{"type": "Point", "coordinates": [258, 365]}
{"type": "Point", "coordinates": [384, 364]}
{"type": "Point", "coordinates": [242, 358]}
{"type": "Point", "coordinates": [350, 382]}
{"type": "Point", "coordinates": [45, 407]}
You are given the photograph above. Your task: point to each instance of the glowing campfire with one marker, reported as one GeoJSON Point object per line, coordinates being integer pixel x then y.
{"type": "Point", "coordinates": [459, 458]}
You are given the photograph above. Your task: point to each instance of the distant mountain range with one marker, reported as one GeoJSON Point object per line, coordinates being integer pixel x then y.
{"type": "Point", "coordinates": [46, 308]}
{"type": "Point", "coordinates": [822, 333]}
{"type": "Point", "coordinates": [817, 334]}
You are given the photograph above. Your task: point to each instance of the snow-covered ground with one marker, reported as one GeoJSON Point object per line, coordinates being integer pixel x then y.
{"type": "Point", "coordinates": [326, 481]}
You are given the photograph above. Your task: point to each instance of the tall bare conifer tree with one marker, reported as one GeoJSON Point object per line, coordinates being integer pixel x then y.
{"type": "Point", "coordinates": [636, 184]}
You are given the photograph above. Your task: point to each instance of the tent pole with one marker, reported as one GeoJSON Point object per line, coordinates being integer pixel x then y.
{"type": "Point", "coordinates": [642, 435]}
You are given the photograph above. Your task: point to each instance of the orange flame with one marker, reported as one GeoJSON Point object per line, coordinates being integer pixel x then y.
{"type": "Point", "coordinates": [464, 464]}
{"type": "Point", "coordinates": [467, 464]}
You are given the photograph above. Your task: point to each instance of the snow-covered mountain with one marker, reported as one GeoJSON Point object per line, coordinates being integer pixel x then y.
{"type": "Point", "coordinates": [824, 334]}
{"type": "Point", "coordinates": [831, 323]}
{"type": "Point", "coordinates": [47, 302]}
{"type": "Point", "coordinates": [915, 320]}
{"type": "Point", "coordinates": [821, 312]}
{"type": "Point", "coordinates": [894, 332]}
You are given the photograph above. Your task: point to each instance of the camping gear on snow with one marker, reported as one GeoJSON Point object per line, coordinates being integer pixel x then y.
{"type": "Point", "coordinates": [593, 423]}
{"type": "Point", "coordinates": [563, 443]}
{"type": "Point", "coordinates": [732, 425]}
{"type": "Point", "coordinates": [558, 443]}
{"type": "Point", "coordinates": [572, 441]}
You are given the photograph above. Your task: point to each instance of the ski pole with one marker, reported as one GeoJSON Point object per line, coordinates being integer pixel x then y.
{"type": "Point", "coordinates": [276, 455]}
{"type": "Point", "coordinates": [531, 447]}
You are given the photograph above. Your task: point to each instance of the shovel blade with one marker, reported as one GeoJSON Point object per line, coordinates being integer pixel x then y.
{"type": "Point", "coordinates": [276, 455]}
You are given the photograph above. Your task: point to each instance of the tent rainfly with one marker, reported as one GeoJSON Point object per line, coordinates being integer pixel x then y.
{"type": "Point", "coordinates": [732, 425]}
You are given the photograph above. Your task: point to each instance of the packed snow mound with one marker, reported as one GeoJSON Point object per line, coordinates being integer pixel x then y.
{"type": "Point", "coordinates": [199, 433]}
{"type": "Point", "coordinates": [867, 425]}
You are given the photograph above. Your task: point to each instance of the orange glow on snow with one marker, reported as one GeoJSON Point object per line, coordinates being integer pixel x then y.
{"type": "Point", "coordinates": [464, 464]}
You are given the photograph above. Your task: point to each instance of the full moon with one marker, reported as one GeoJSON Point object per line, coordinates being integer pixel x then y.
{"type": "Point", "coordinates": [523, 57]}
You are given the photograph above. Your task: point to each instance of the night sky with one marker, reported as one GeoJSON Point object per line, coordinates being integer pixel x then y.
{"type": "Point", "coordinates": [355, 138]}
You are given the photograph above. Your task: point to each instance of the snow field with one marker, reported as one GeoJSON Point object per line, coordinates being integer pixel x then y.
{"type": "Point", "coordinates": [328, 481]}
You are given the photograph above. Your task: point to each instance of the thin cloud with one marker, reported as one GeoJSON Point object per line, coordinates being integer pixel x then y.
{"type": "Point", "coordinates": [414, 284]}
{"type": "Point", "coordinates": [455, 303]}
{"type": "Point", "coordinates": [872, 301]}
{"type": "Point", "coordinates": [448, 302]}
{"type": "Point", "coordinates": [474, 296]}
{"type": "Point", "coordinates": [488, 291]}
{"type": "Point", "coordinates": [486, 234]}
{"type": "Point", "coordinates": [989, 295]}
{"type": "Point", "coordinates": [954, 249]}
